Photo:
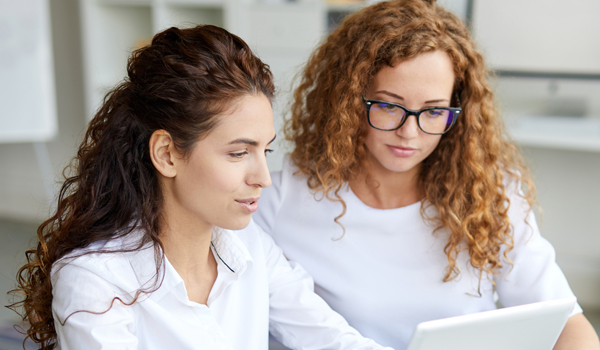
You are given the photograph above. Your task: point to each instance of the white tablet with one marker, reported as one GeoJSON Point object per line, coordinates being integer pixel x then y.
{"type": "Point", "coordinates": [534, 326]}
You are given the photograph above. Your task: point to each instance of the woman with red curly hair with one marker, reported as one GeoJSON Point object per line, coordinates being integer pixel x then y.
{"type": "Point", "coordinates": [403, 196]}
{"type": "Point", "coordinates": [152, 244]}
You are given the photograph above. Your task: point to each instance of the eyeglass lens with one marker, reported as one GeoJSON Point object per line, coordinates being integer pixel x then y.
{"type": "Point", "coordinates": [388, 117]}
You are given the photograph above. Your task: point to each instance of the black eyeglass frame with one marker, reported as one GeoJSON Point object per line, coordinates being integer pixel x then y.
{"type": "Point", "coordinates": [456, 111]}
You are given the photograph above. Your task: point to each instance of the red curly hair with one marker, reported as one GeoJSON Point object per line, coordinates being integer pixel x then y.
{"type": "Point", "coordinates": [463, 179]}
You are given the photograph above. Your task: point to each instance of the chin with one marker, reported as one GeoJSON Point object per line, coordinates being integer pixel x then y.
{"type": "Point", "coordinates": [237, 224]}
{"type": "Point", "coordinates": [401, 169]}
{"type": "Point", "coordinates": [397, 167]}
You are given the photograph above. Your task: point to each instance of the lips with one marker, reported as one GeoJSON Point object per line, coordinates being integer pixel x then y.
{"type": "Point", "coordinates": [248, 204]}
{"type": "Point", "coordinates": [401, 151]}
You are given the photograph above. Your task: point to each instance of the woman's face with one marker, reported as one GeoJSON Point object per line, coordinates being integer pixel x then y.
{"type": "Point", "coordinates": [222, 179]}
{"type": "Point", "coordinates": [424, 81]}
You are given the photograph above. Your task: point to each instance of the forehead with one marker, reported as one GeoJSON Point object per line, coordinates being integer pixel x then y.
{"type": "Point", "coordinates": [428, 70]}
{"type": "Point", "coordinates": [422, 67]}
{"type": "Point", "coordinates": [249, 115]}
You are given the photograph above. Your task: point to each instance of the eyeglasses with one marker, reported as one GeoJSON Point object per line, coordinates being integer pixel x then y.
{"type": "Point", "coordinates": [389, 116]}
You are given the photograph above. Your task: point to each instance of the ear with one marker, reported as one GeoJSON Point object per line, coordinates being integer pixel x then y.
{"type": "Point", "coordinates": [163, 153]}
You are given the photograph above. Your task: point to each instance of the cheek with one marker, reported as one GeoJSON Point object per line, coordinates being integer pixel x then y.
{"type": "Point", "coordinates": [431, 142]}
{"type": "Point", "coordinates": [374, 139]}
{"type": "Point", "coordinates": [204, 185]}
{"type": "Point", "coordinates": [222, 181]}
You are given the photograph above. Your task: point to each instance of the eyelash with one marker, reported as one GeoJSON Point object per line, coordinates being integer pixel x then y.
{"type": "Point", "coordinates": [241, 154]}
{"type": "Point", "coordinates": [238, 155]}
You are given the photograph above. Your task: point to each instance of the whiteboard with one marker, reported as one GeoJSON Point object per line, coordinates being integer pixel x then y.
{"type": "Point", "coordinates": [554, 36]}
{"type": "Point", "coordinates": [27, 95]}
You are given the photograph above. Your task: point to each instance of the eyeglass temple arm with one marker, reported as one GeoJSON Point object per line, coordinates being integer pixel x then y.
{"type": "Point", "coordinates": [457, 95]}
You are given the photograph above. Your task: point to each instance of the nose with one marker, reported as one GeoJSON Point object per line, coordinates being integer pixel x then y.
{"type": "Point", "coordinates": [261, 177]}
{"type": "Point", "coordinates": [410, 128]}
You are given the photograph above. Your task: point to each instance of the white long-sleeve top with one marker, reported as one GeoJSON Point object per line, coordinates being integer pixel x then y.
{"type": "Point", "coordinates": [256, 290]}
{"type": "Point", "coordinates": [385, 273]}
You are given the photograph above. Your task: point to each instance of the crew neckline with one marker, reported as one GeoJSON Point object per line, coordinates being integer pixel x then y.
{"type": "Point", "coordinates": [356, 199]}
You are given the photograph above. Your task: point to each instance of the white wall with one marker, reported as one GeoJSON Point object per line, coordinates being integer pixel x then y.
{"type": "Point", "coordinates": [22, 193]}
{"type": "Point", "coordinates": [567, 177]}
{"type": "Point", "coordinates": [568, 184]}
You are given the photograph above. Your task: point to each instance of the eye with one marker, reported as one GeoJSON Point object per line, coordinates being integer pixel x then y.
{"type": "Point", "coordinates": [238, 154]}
{"type": "Point", "coordinates": [434, 112]}
{"type": "Point", "coordinates": [268, 150]}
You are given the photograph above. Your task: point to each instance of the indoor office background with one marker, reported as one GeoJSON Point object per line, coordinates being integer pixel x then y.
{"type": "Point", "coordinates": [548, 89]}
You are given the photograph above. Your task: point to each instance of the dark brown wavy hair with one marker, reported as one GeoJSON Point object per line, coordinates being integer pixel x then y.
{"type": "Point", "coordinates": [180, 83]}
{"type": "Point", "coordinates": [463, 177]}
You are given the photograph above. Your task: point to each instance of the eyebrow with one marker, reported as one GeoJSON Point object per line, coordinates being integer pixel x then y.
{"type": "Point", "coordinates": [390, 94]}
{"type": "Point", "coordinates": [437, 101]}
{"type": "Point", "coordinates": [249, 142]}
{"type": "Point", "coordinates": [402, 98]}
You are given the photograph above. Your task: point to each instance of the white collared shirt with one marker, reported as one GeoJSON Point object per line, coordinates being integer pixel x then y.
{"type": "Point", "coordinates": [256, 290]}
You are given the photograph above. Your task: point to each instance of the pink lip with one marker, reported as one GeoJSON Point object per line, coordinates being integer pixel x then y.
{"type": "Point", "coordinates": [403, 152]}
{"type": "Point", "coordinates": [249, 204]}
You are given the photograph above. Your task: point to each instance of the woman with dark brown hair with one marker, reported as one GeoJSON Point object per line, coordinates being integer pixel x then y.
{"type": "Point", "coordinates": [403, 196]}
{"type": "Point", "coordinates": [140, 252]}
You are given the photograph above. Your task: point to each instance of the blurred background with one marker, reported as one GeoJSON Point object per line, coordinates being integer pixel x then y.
{"type": "Point", "coordinates": [58, 58]}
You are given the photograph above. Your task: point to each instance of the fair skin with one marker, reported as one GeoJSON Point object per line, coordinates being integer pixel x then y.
{"type": "Point", "coordinates": [395, 157]}
{"type": "Point", "coordinates": [217, 184]}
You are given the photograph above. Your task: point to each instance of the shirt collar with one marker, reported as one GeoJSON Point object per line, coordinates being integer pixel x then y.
{"type": "Point", "coordinates": [229, 252]}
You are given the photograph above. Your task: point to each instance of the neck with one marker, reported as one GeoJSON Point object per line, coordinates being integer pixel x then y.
{"type": "Point", "coordinates": [187, 248]}
{"type": "Point", "coordinates": [186, 243]}
{"type": "Point", "coordinates": [382, 188]}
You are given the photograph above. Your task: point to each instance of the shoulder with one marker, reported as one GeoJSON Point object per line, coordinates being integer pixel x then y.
{"type": "Point", "coordinates": [103, 261]}
{"type": "Point", "coordinates": [289, 177]}
{"type": "Point", "coordinates": [91, 283]}
{"type": "Point", "coordinates": [525, 233]}
{"type": "Point", "coordinates": [519, 207]}
{"type": "Point", "coordinates": [286, 183]}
